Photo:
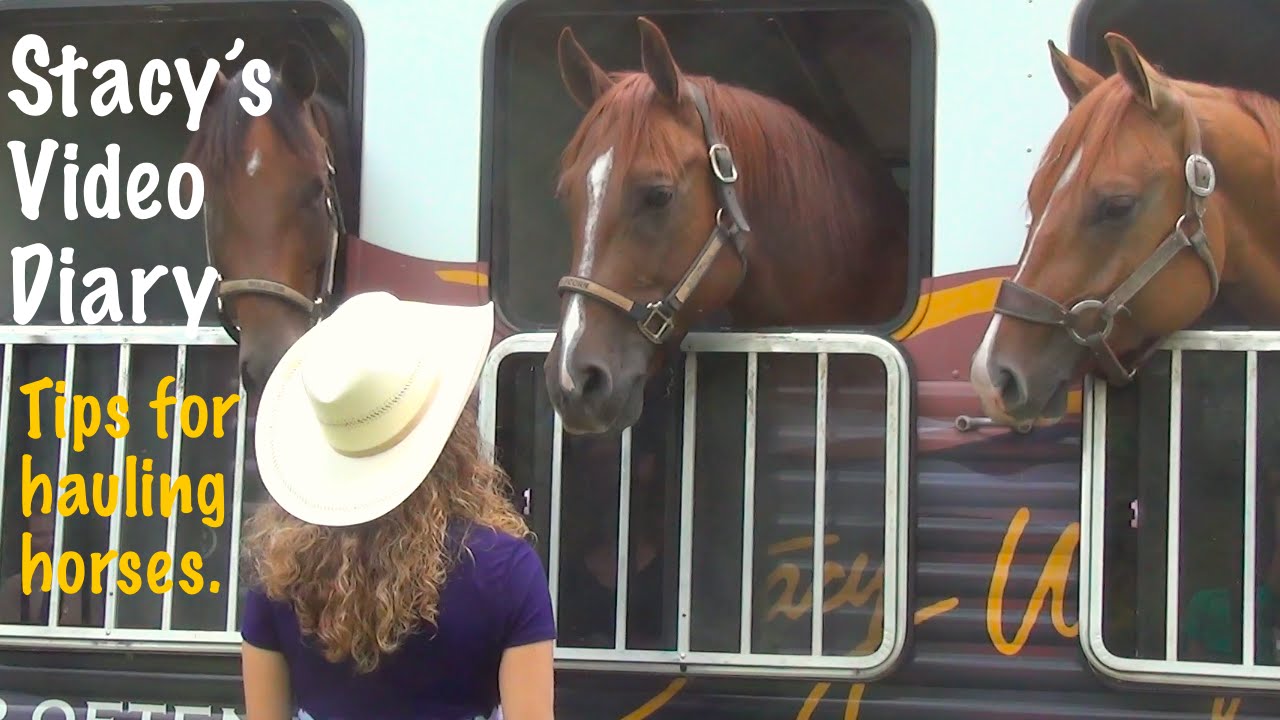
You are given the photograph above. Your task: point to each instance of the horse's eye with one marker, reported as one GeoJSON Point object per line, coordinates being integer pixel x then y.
{"type": "Point", "coordinates": [658, 196]}
{"type": "Point", "coordinates": [1114, 208]}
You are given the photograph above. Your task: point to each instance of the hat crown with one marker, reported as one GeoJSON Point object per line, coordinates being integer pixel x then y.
{"type": "Point", "coordinates": [363, 388]}
{"type": "Point", "coordinates": [352, 366]}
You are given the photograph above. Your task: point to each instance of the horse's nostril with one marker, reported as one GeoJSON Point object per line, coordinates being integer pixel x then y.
{"type": "Point", "coordinates": [1013, 389]}
{"type": "Point", "coordinates": [595, 381]}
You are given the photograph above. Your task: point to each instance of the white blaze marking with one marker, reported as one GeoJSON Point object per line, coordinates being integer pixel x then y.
{"type": "Point", "coordinates": [255, 162]}
{"type": "Point", "coordinates": [571, 329]}
{"type": "Point", "coordinates": [983, 355]}
{"type": "Point", "coordinates": [1067, 173]}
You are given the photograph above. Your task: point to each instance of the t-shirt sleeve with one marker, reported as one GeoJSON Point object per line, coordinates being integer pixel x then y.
{"type": "Point", "coordinates": [530, 618]}
{"type": "Point", "coordinates": [258, 627]}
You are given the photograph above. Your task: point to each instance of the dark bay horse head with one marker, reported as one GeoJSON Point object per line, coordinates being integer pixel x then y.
{"type": "Point", "coordinates": [1126, 241]}
{"type": "Point", "coordinates": [273, 218]}
{"type": "Point", "coordinates": [660, 237]}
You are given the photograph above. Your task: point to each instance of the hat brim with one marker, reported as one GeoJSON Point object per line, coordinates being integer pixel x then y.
{"type": "Point", "coordinates": [318, 485]}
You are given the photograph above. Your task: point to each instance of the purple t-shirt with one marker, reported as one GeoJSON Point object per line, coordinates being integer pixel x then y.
{"type": "Point", "coordinates": [496, 597]}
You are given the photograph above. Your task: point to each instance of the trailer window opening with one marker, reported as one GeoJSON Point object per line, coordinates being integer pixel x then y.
{"type": "Point", "coordinates": [1162, 30]}
{"type": "Point", "coordinates": [110, 601]}
{"type": "Point", "coordinates": [861, 71]}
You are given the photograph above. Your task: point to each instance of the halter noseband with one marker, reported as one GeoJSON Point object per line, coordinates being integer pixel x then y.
{"type": "Point", "coordinates": [1024, 303]}
{"type": "Point", "coordinates": [655, 320]}
{"type": "Point", "coordinates": [314, 308]}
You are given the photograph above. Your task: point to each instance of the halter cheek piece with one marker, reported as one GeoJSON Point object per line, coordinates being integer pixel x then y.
{"type": "Point", "coordinates": [314, 308]}
{"type": "Point", "coordinates": [656, 319]}
{"type": "Point", "coordinates": [1089, 322]}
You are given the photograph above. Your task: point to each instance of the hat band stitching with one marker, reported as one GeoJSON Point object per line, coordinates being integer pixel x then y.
{"type": "Point", "coordinates": [382, 409]}
{"type": "Point", "coordinates": [388, 443]}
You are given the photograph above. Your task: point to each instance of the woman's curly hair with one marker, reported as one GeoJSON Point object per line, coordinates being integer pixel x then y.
{"type": "Point", "coordinates": [360, 590]}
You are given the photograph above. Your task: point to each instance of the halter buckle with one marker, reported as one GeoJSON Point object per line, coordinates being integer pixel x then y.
{"type": "Point", "coordinates": [728, 172]}
{"type": "Point", "coordinates": [657, 311]}
{"type": "Point", "coordinates": [1201, 177]}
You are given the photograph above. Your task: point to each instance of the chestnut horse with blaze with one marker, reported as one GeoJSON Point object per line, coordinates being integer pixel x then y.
{"type": "Point", "coordinates": [688, 197]}
{"type": "Point", "coordinates": [274, 215]}
{"type": "Point", "coordinates": [1153, 194]}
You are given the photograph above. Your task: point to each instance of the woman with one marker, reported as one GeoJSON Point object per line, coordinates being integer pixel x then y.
{"type": "Point", "coordinates": [391, 574]}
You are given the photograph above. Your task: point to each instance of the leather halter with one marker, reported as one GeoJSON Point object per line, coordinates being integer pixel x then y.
{"type": "Point", "coordinates": [657, 319]}
{"type": "Point", "coordinates": [1089, 322]}
{"type": "Point", "coordinates": [314, 308]}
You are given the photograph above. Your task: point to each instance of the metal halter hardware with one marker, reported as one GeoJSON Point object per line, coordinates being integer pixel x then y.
{"type": "Point", "coordinates": [314, 308]}
{"type": "Point", "coordinates": [1089, 322]}
{"type": "Point", "coordinates": [656, 319]}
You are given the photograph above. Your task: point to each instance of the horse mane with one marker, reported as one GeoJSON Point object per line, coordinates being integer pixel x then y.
{"type": "Point", "coordinates": [1265, 111]}
{"type": "Point", "coordinates": [217, 146]}
{"type": "Point", "coordinates": [784, 161]}
{"type": "Point", "coordinates": [1092, 123]}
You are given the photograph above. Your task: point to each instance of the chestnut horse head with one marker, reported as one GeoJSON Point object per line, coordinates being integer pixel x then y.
{"type": "Point", "coordinates": [666, 231]}
{"type": "Point", "coordinates": [1128, 238]}
{"type": "Point", "coordinates": [274, 220]}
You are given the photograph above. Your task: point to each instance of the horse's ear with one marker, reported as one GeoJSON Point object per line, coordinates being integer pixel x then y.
{"type": "Point", "coordinates": [198, 59]}
{"type": "Point", "coordinates": [655, 57]}
{"type": "Point", "coordinates": [1076, 78]}
{"type": "Point", "coordinates": [1150, 87]}
{"type": "Point", "coordinates": [583, 78]}
{"type": "Point", "coordinates": [298, 71]}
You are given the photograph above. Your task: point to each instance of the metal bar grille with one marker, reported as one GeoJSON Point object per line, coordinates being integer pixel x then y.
{"type": "Point", "coordinates": [168, 623]}
{"type": "Point", "coordinates": [1173, 668]}
{"type": "Point", "coordinates": [817, 661]}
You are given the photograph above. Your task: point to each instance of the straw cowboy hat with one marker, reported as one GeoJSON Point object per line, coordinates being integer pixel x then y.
{"type": "Point", "coordinates": [356, 413]}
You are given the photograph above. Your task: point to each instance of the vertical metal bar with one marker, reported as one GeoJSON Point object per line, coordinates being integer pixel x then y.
{"type": "Point", "coordinates": [64, 456]}
{"type": "Point", "coordinates": [685, 600]}
{"type": "Point", "coordinates": [237, 511]}
{"type": "Point", "coordinates": [819, 501]}
{"type": "Point", "coordinates": [123, 368]}
{"type": "Point", "coordinates": [1175, 506]}
{"type": "Point", "coordinates": [624, 542]}
{"type": "Point", "coordinates": [1250, 502]}
{"type": "Point", "coordinates": [749, 502]}
{"type": "Point", "coordinates": [1095, 393]}
{"type": "Point", "coordinates": [557, 470]}
{"type": "Point", "coordinates": [896, 447]}
{"type": "Point", "coordinates": [175, 459]}
{"type": "Point", "coordinates": [6, 383]}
